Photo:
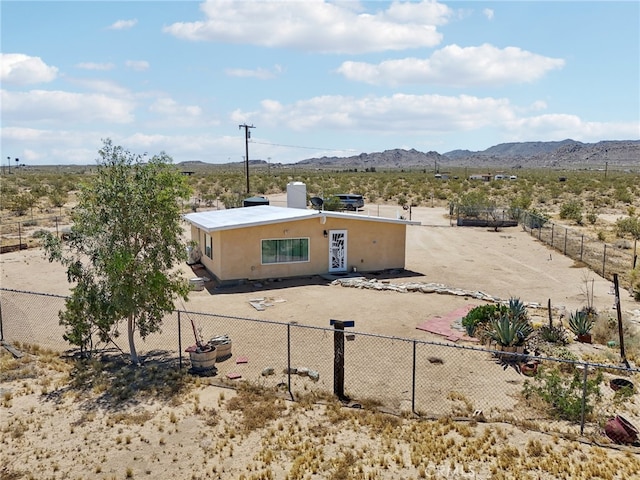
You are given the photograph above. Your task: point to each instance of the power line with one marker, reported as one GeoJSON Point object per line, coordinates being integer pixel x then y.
{"type": "Point", "coordinates": [247, 136]}
{"type": "Point", "coordinates": [306, 148]}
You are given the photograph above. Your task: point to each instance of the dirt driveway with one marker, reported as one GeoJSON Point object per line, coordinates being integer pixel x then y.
{"type": "Point", "coordinates": [502, 264]}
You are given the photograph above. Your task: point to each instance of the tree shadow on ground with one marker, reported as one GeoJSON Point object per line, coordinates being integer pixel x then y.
{"type": "Point", "coordinates": [109, 380]}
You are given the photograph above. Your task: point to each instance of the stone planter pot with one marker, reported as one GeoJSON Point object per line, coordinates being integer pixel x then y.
{"type": "Point", "coordinates": [203, 360]}
{"type": "Point", "coordinates": [508, 351]}
{"type": "Point", "coordinates": [222, 344]}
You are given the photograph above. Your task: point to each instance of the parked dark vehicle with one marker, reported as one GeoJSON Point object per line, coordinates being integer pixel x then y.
{"type": "Point", "coordinates": [350, 201]}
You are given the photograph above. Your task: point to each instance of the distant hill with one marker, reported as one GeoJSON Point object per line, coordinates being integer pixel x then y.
{"type": "Point", "coordinates": [564, 154]}
{"type": "Point", "coordinates": [396, 158]}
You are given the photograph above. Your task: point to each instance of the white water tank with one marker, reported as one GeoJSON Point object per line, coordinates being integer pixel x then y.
{"type": "Point", "coordinates": [296, 195]}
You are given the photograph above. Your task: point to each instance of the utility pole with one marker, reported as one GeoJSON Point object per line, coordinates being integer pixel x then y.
{"type": "Point", "coordinates": [247, 136]}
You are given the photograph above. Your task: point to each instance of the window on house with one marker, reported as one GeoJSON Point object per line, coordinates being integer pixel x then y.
{"type": "Point", "coordinates": [285, 250]}
{"type": "Point", "coordinates": [208, 243]}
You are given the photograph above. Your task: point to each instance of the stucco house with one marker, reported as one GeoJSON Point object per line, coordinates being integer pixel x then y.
{"type": "Point", "coordinates": [265, 241]}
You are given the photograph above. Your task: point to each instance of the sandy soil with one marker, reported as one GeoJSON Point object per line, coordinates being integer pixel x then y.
{"type": "Point", "coordinates": [502, 264]}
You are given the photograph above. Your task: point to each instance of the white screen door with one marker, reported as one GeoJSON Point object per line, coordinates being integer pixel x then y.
{"type": "Point", "coordinates": [337, 251]}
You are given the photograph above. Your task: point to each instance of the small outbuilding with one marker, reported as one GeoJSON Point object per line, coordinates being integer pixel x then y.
{"type": "Point", "coordinates": [278, 242]}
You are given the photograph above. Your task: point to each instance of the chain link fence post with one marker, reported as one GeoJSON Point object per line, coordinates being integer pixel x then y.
{"type": "Point", "coordinates": [584, 398]}
{"type": "Point", "coordinates": [289, 360]}
{"type": "Point", "coordinates": [179, 341]}
{"type": "Point", "coordinates": [413, 382]}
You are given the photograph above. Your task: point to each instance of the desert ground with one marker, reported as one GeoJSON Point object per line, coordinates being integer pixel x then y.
{"type": "Point", "coordinates": [53, 428]}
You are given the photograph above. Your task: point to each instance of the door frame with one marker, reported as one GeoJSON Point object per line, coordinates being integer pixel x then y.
{"type": "Point", "coordinates": [342, 252]}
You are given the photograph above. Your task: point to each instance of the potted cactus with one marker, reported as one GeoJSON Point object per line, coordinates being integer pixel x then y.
{"type": "Point", "coordinates": [581, 323]}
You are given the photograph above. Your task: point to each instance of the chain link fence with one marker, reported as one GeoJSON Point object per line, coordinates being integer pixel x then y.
{"type": "Point", "coordinates": [603, 258]}
{"type": "Point", "coordinates": [429, 379]}
{"type": "Point", "coordinates": [25, 234]}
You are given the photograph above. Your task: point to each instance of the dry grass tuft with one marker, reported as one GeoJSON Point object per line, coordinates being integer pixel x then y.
{"type": "Point", "coordinates": [258, 406]}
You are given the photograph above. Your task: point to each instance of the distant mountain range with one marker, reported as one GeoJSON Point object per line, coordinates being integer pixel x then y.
{"type": "Point", "coordinates": [566, 154]}
{"type": "Point", "coordinates": [563, 154]}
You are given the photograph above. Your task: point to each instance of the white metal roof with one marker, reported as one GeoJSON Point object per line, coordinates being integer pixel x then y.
{"type": "Point", "coordinates": [214, 220]}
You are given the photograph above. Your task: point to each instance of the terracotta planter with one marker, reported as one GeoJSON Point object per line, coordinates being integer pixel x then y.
{"type": "Point", "coordinates": [618, 383]}
{"type": "Point", "coordinates": [584, 338]}
{"type": "Point", "coordinates": [529, 369]}
{"type": "Point", "coordinates": [620, 430]}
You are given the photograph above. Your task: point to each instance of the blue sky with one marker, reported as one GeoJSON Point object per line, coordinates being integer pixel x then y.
{"type": "Point", "coordinates": [315, 78]}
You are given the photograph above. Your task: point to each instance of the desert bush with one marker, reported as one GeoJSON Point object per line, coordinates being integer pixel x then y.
{"type": "Point", "coordinates": [22, 202]}
{"type": "Point", "coordinates": [623, 195]}
{"type": "Point", "coordinates": [572, 210]}
{"type": "Point", "coordinates": [480, 316]}
{"type": "Point", "coordinates": [555, 334]}
{"type": "Point", "coordinates": [605, 329]}
{"type": "Point", "coordinates": [628, 226]}
{"type": "Point", "coordinates": [634, 277]}
{"type": "Point", "coordinates": [592, 217]}
{"type": "Point", "coordinates": [535, 219]}
{"type": "Point", "coordinates": [474, 204]}
{"type": "Point", "coordinates": [232, 200]}
{"type": "Point", "coordinates": [39, 233]}
{"type": "Point", "coordinates": [58, 197]}
{"type": "Point", "coordinates": [562, 394]}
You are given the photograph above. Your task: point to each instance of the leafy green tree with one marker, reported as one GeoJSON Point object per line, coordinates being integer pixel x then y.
{"type": "Point", "coordinates": [124, 243]}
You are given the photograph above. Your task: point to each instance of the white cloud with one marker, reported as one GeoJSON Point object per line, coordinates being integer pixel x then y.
{"type": "Point", "coordinates": [137, 65]}
{"type": "Point", "coordinates": [396, 114]}
{"type": "Point", "coordinates": [317, 25]}
{"type": "Point", "coordinates": [456, 66]}
{"type": "Point", "coordinates": [123, 24]}
{"type": "Point", "coordinates": [51, 106]}
{"type": "Point", "coordinates": [51, 147]}
{"type": "Point", "coordinates": [178, 115]}
{"type": "Point", "coordinates": [103, 67]}
{"type": "Point", "coordinates": [427, 12]}
{"type": "Point", "coordinates": [561, 126]}
{"type": "Point", "coordinates": [259, 73]}
{"type": "Point", "coordinates": [488, 12]}
{"type": "Point", "coordinates": [99, 85]}
{"type": "Point", "coordinates": [19, 69]}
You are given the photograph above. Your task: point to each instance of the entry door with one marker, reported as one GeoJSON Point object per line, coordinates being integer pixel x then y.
{"type": "Point", "coordinates": [337, 251]}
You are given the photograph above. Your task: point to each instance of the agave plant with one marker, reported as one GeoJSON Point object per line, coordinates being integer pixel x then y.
{"type": "Point", "coordinates": [581, 322]}
{"type": "Point", "coordinates": [510, 332]}
{"type": "Point", "coordinates": [517, 309]}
